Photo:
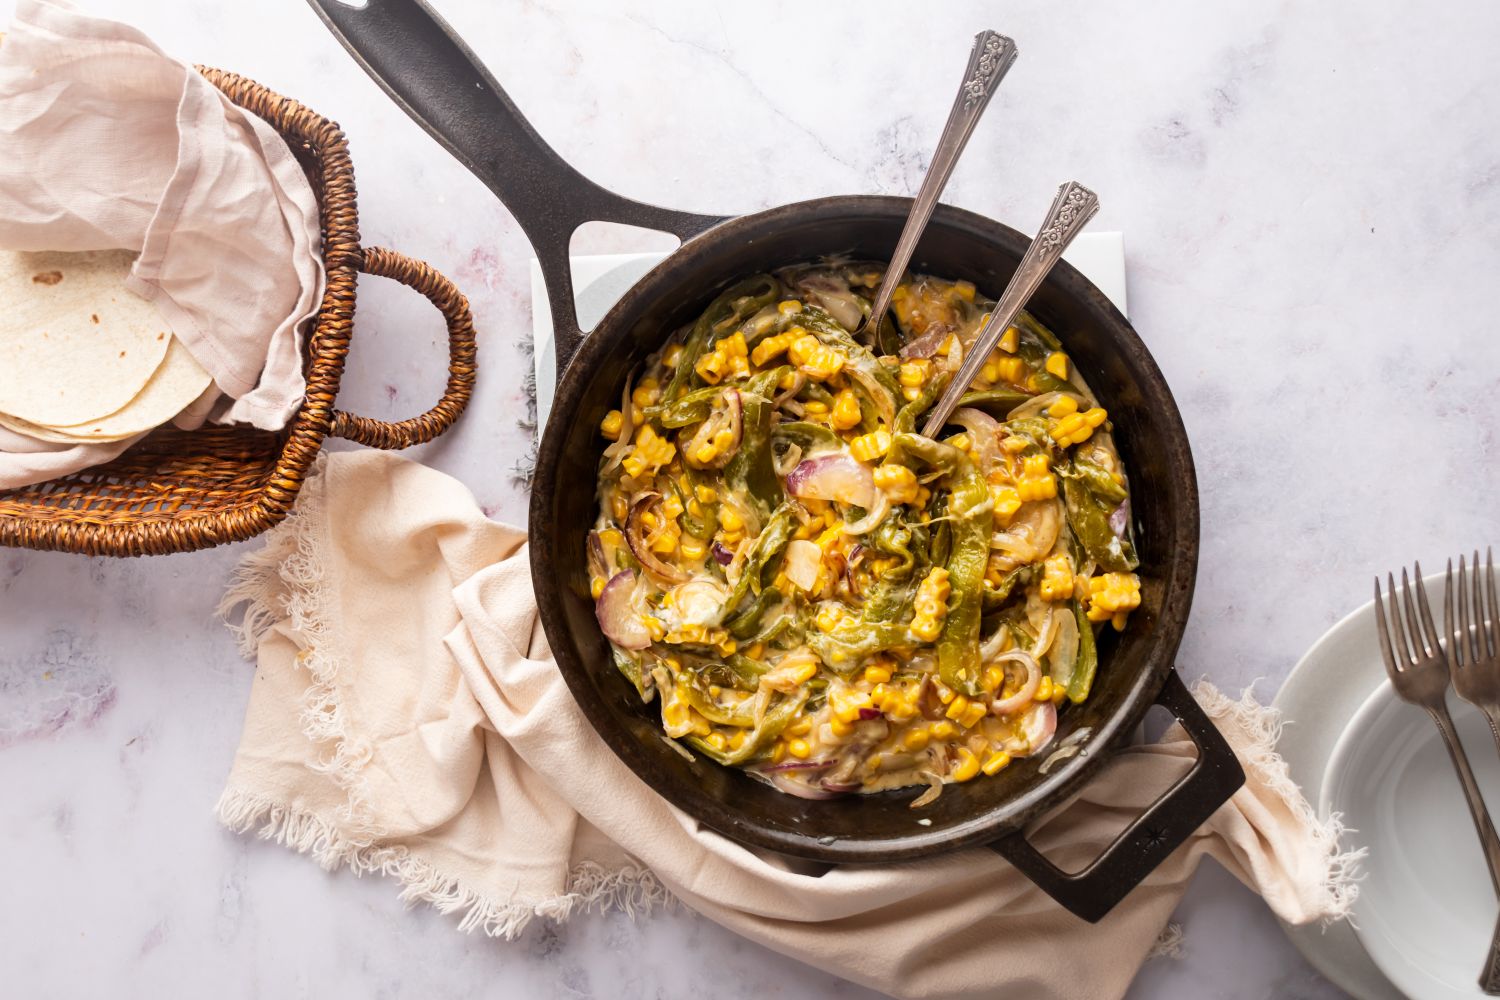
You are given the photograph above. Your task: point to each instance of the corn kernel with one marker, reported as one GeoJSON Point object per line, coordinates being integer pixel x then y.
{"type": "Point", "coordinates": [815, 407]}
{"type": "Point", "coordinates": [1007, 502]}
{"type": "Point", "coordinates": [1059, 692]}
{"type": "Point", "coordinates": [654, 627]}
{"type": "Point", "coordinates": [1044, 690]}
{"type": "Point", "coordinates": [813, 358]}
{"type": "Point", "coordinates": [829, 615]}
{"type": "Point", "coordinates": [1057, 364]}
{"type": "Point", "coordinates": [931, 605]}
{"type": "Point", "coordinates": [839, 727]}
{"type": "Point", "coordinates": [778, 752]}
{"type": "Point", "coordinates": [772, 347]}
{"type": "Point", "coordinates": [789, 307]}
{"type": "Point", "coordinates": [730, 520]}
{"type": "Point", "coordinates": [897, 482]}
{"type": "Point", "coordinates": [914, 373]}
{"type": "Point", "coordinates": [967, 766]}
{"type": "Point", "coordinates": [915, 739]}
{"type": "Point", "coordinates": [964, 290]}
{"type": "Point", "coordinates": [650, 453]}
{"type": "Point", "coordinates": [1111, 594]}
{"type": "Point", "coordinates": [961, 442]}
{"type": "Point", "coordinates": [868, 447]}
{"type": "Point", "coordinates": [611, 425]}
{"type": "Point", "coordinates": [716, 740]}
{"type": "Point", "coordinates": [996, 763]}
{"type": "Point", "coordinates": [799, 749]}
{"type": "Point", "coordinates": [706, 494]}
{"type": "Point", "coordinates": [971, 717]}
{"type": "Point", "coordinates": [1057, 578]}
{"type": "Point", "coordinates": [672, 506]}
{"type": "Point", "coordinates": [1011, 369]}
{"type": "Point", "coordinates": [1062, 407]}
{"type": "Point", "coordinates": [944, 730]}
{"type": "Point", "coordinates": [993, 677]}
{"type": "Point", "coordinates": [877, 674]}
{"type": "Point", "coordinates": [1076, 428]}
{"type": "Point", "coordinates": [597, 586]}
{"type": "Point", "coordinates": [801, 727]}
{"type": "Point", "coordinates": [846, 410]}
{"type": "Point", "coordinates": [728, 647]}
{"type": "Point", "coordinates": [957, 707]}
{"type": "Point", "coordinates": [737, 740]}
{"type": "Point", "coordinates": [756, 650]}
{"type": "Point", "coordinates": [1010, 340]}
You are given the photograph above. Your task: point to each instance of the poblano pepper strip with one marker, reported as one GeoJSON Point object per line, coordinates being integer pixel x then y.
{"type": "Point", "coordinates": [752, 470]}
{"type": "Point", "coordinates": [778, 718]}
{"type": "Point", "coordinates": [828, 330]}
{"type": "Point", "coordinates": [973, 518]}
{"type": "Point", "coordinates": [907, 416]}
{"type": "Point", "coordinates": [744, 625]}
{"type": "Point", "coordinates": [808, 436]}
{"type": "Point", "coordinates": [996, 402]}
{"type": "Point", "coordinates": [1099, 481]}
{"type": "Point", "coordinates": [854, 639]}
{"type": "Point", "coordinates": [772, 539]}
{"type": "Point", "coordinates": [1088, 657]}
{"type": "Point", "coordinates": [736, 304]}
{"type": "Point", "coordinates": [1090, 523]}
{"type": "Point", "coordinates": [690, 409]}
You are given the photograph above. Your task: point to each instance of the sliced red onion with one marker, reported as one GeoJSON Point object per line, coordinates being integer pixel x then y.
{"type": "Point", "coordinates": [800, 765]}
{"type": "Point", "coordinates": [840, 787]}
{"type": "Point", "coordinates": [803, 559]}
{"type": "Point", "coordinates": [800, 790]}
{"type": "Point", "coordinates": [984, 431]}
{"type": "Point", "coordinates": [1119, 520]}
{"type": "Point", "coordinates": [885, 403]}
{"type": "Point", "coordinates": [722, 556]}
{"type": "Point", "coordinates": [833, 476]}
{"type": "Point", "coordinates": [833, 295]}
{"type": "Point", "coordinates": [1039, 726]}
{"type": "Point", "coordinates": [617, 616]}
{"type": "Point", "coordinates": [635, 537]}
{"type": "Point", "coordinates": [598, 564]}
{"type": "Point", "coordinates": [866, 714]}
{"type": "Point", "coordinates": [926, 345]}
{"type": "Point", "coordinates": [1023, 697]}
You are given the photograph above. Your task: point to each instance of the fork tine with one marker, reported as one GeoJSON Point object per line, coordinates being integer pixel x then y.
{"type": "Point", "coordinates": [1465, 639]}
{"type": "Point", "coordinates": [1429, 630]}
{"type": "Point", "coordinates": [1410, 607]}
{"type": "Point", "coordinates": [1494, 629]}
{"type": "Point", "coordinates": [1384, 633]}
{"type": "Point", "coordinates": [1448, 620]}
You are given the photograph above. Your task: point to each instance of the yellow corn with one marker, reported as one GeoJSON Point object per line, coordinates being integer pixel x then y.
{"type": "Point", "coordinates": [815, 359]}
{"type": "Point", "coordinates": [789, 307]}
{"type": "Point", "coordinates": [964, 290]}
{"type": "Point", "coordinates": [729, 520]}
{"type": "Point", "coordinates": [671, 506]}
{"type": "Point", "coordinates": [799, 749]}
{"type": "Point", "coordinates": [931, 605]}
{"type": "Point", "coordinates": [846, 410]}
{"type": "Point", "coordinates": [1010, 340]}
{"type": "Point", "coordinates": [993, 677]}
{"type": "Point", "coordinates": [1076, 428]}
{"type": "Point", "coordinates": [829, 615]}
{"type": "Point", "coordinates": [738, 739]}
{"type": "Point", "coordinates": [914, 373]}
{"type": "Point", "coordinates": [1057, 579]}
{"type": "Point", "coordinates": [1007, 502]}
{"type": "Point", "coordinates": [716, 740]}
{"type": "Point", "coordinates": [772, 347]}
{"type": "Point", "coordinates": [597, 586]}
{"type": "Point", "coordinates": [961, 442]}
{"type": "Point", "coordinates": [878, 673]}
{"type": "Point", "coordinates": [971, 717]}
{"type": "Point", "coordinates": [1010, 369]}
{"type": "Point", "coordinates": [1036, 482]}
{"type": "Point", "coordinates": [727, 647]}
{"type": "Point", "coordinates": [1044, 690]}
{"type": "Point", "coordinates": [1062, 407]}
{"type": "Point", "coordinates": [1111, 594]}
{"type": "Point", "coordinates": [815, 408]}
{"type": "Point", "coordinates": [730, 356]}
{"type": "Point", "coordinates": [996, 763]}
{"type": "Point", "coordinates": [944, 730]}
{"type": "Point", "coordinates": [755, 651]}
{"type": "Point", "coordinates": [967, 766]}
{"type": "Point", "coordinates": [868, 447]}
{"type": "Point", "coordinates": [801, 727]}
{"type": "Point", "coordinates": [957, 707]}
{"type": "Point", "coordinates": [897, 482]}
{"type": "Point", "coordinates": [1057, 364]}
{"type": "Point", "coordinates": [839, 727]}
{"type": "Point", "coordinates": [611, 425]}
{"type": "Point", "coordinates": [915, 739]}
{"type": "Point", "coordinates": [1015, 444]}
{"type": "Point", "coordinates": [1059, 693]}
{"type": "Point", "coordinates": [650, 453]}
{"type": "Point", "coordinates": [778, 752]}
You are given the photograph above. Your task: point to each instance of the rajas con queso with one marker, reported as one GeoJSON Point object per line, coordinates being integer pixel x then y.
{"type": "Point", "coordinates": [816, 593]}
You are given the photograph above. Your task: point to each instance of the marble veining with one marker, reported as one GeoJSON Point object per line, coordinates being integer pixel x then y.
{"type": "Point", "coordinates": [1312, 204]}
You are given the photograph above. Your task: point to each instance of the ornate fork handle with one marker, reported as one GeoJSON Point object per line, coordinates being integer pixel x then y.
{"type": "Point", "coordinates": [989, 60]}
{"type": "Point", "coordinates": [1071, 210]}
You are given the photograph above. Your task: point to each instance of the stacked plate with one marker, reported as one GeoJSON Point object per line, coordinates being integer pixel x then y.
{"type": "Point", "coordinates": [87, 361]}
{"type": "Point", "coordinates": [1426, 910]}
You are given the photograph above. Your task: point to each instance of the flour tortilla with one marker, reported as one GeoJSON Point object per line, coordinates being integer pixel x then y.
{"type": "Point", "coordinates": [76, 345]}
{"type": "Point", "coordinates": [172, 388]}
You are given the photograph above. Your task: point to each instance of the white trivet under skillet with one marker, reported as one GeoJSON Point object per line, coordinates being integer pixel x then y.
{"type": "Point", "coordinates": [600, 280]}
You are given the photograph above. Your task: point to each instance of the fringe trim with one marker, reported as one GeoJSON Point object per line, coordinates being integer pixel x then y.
{"type": "Point", "coordinates": [1168, 943]}
{"type": "Point", "coordinates": [1262, 725]}
{"type": "Point", "coordinates": [287, 580]}
{"type": "Point", "coordinates": [590, 887]}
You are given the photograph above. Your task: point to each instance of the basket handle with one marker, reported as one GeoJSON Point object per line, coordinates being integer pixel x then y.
{"type": "Point", "coordinates": [461, 354]}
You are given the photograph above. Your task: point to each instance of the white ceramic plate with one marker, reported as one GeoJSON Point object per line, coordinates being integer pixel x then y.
{"type": "Point", "coordinates": [1426, 908]}
{"type": "Point", "coordinates": [1323, 692]}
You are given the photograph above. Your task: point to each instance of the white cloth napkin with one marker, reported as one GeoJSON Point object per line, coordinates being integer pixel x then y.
{"type": "Point", "coordinates": [106, 142]}
{"type": "Point", "coordinates": [407, 718]}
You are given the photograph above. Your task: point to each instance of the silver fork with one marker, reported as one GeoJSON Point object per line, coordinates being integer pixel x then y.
{"type": "Point", "coordinates": [1474, 654]}
{"type": "Point", "coordinates": [1419, 673]}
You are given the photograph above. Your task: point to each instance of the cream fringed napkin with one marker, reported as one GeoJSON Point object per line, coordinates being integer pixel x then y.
{"type": "Point", "coordinates": [406, 719]}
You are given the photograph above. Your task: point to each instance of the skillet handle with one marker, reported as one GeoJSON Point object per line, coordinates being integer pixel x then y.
{"type": "Point", "coordinates": [1155, 834]}
{"type": "Point", "coordinates": [434, 77]}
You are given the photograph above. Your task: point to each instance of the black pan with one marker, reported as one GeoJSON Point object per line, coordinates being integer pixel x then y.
{"type": "Point", "coordinates": [439, 82]}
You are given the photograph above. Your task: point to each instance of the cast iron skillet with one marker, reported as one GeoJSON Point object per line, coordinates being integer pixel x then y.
{"type": "Point", "coordinates": [439, 82]}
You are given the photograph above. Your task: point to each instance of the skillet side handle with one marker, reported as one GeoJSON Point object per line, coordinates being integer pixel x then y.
{"type": "Point", "coordinates": [433, 76]}
{"type": "Point", "coordinates": [1156, 833]}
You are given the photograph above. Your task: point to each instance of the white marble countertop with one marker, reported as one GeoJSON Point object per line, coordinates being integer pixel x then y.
{"type": "Point", "coordinates": [1312, 210]}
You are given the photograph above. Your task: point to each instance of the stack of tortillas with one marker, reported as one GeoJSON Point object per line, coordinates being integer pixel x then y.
{"type": "Point", "coordinates": [87, 360]}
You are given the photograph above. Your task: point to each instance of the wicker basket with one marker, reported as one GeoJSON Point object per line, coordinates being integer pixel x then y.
{"type": "Point", "coordinates": [177, 491]}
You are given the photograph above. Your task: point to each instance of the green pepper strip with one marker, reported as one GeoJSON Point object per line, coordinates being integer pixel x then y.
{"type": "Point", "coordinates": [737, 303]}
{"type": "Point", "coordinates": [690, 409]}
{"type": "Point", "coordinates": [996, 402]}
{"type": "Point", "coordinates": [1090, 523]}
{"type": "Point", "coordinates": [855, 638]}
{"type": "Point", "coordinates": [827, 329]}
{"type": "Point", "coordinates": [906, 417]}
{"type": "Point", "coordinates": [631, 668]}
{"type": "Point", "coordinates": [807, 435]}
{"type": "Point", "coordinates": [1098, 480]}
{"type": "Point", "coordinates": [944, 458]}
{"type": "Point", "coordinates": [1088, 658]}
{"type": "Point", "coordinates": [742, 716]}
{"type": "Point", "coordinates": [894, 539]}
{"type": "Point", "coordinates": [744, 625]}
{"type": "Point", "coordinates": [1026, 321]}
{"type": "Point", "coordinates": [752, 470]}
{"type": "Point", "coordinates": [778, 718]}
{"type": "Point", "coordinates": [996, 598]}
{"type": "Point", "coordinates": [973, 520]}
{"type": "Point", "coordinates": [772, 539]}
